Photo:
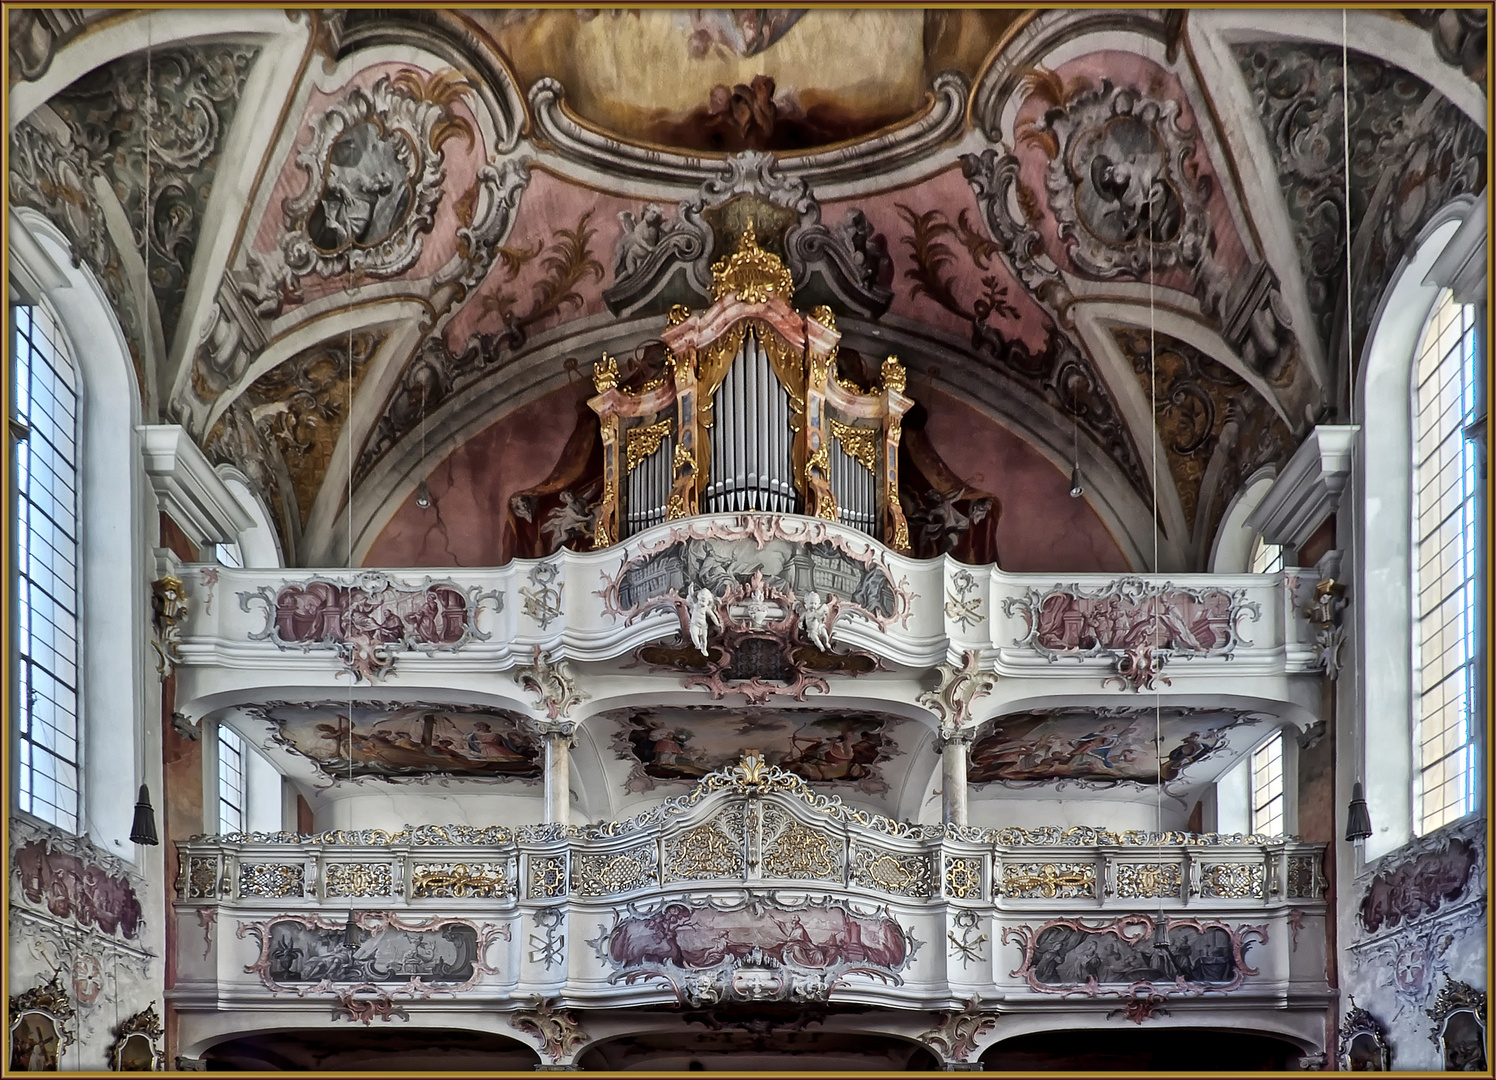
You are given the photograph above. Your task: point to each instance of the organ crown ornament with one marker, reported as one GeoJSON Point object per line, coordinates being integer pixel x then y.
{"type": "Point", "coordinates": [752, 273]}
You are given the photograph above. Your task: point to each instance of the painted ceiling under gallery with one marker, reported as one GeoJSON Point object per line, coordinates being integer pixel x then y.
{"type": "Point", "coordinates": [1072, 227]}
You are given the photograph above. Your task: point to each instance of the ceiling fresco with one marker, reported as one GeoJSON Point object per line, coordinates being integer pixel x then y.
{"type": "Point", "coordinates": [747, 79]}
{"type": "Point", "coordinates": [1102, 748]}
{"type": "Point", "coordinates": [403, 742]}
{"type": "Point", "coordinates": [683, 744]}
{"type": "Point", "coordinates": [1412, 151]}
{"type": "Point", "coordinates": [1216, 429]}
{"type": "Point", "coordinates": [482, 202]}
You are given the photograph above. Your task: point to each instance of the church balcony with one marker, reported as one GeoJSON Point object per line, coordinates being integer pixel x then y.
{"type": "Point", "coordinates": [716, 601]}
{"type": "Point", "coordinates": [749, 888]}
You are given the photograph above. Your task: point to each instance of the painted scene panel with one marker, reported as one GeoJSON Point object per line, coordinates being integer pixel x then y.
{"type": "Point", "coordinates": [1099, 746]}
{"type": "Point", "coordinates": [813, 937]}
{"type": "Point", "coordinates": [407, 741]}
{"type": "Point", "coordinates": [686, 743]}
{"type": "Point", "coordinates": [297, 953]}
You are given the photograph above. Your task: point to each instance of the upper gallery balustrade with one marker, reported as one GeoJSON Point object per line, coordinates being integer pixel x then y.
{"type": "Point", "coordinates": [727, 598]}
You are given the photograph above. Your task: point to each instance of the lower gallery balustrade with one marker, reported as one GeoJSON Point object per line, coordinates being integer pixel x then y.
{"type": "Point", "coordinates": [751, 890]}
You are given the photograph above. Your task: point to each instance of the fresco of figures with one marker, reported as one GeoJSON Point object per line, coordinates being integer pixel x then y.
{"type": "Point", "coordinates": [73, 888]}
{"type": "Point", "coordinates": [295, 952]}
{"type": "Point", "coordinates": [367, 621]}
{"type": "Point", "coordinates": [1418, 886]}
{"type": "Point", "coordinates": [809, 937]}
{"type": "Point", "coordinates": [402, 741]}
{"type": "Point", "coordinates": [322, 611]}
{"type": "Point", "coordinates": [1097, 746]}
{"type": "Point", "coordinates": [1129, 614]}
{"type": "Point", "coordinates": [1070, 954]}
{"type": "Point", "coordinates": [687, 742]}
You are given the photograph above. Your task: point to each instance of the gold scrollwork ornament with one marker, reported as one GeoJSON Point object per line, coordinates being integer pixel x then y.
{"type": "Point", "coordinates": [642, 442]}
{"type": "Point", "coordinates": [860, 444]}
{"type": "Point", "coordinates": [752, 273]}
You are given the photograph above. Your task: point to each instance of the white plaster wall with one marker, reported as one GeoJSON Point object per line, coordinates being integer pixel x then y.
{"type": "Point", "coordinates": [997, 813]}
{"type": "Point", "coordinates": [1233, 798]}
{"type": "Point", "coordinates": [428, 804]}
{"type": "Point", "coordinates": [262, 793]}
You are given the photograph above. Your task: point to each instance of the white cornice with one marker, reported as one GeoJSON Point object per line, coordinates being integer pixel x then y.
{"type": "Point", "coordinates": [1308, 489]}
{"type": "Point", "coordinates": [188, 488]}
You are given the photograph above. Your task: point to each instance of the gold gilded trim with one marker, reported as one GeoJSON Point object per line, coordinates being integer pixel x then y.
{"type": "Point", "coordinates": [641, 442]}
{"type": "Point", "coordinates": [861, 444]}
{"type": "Point", "coordinates": [752, 273]}
{"type": "Point", "coordinates": [894, 375]}
{"type": "Point", "coordinates": [605, 374]}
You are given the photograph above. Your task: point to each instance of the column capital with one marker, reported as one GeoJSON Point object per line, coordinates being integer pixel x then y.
{"type": "Point", "coordinates": [954, 733]}
{"type": "Point", "coordinates": [555, 729]}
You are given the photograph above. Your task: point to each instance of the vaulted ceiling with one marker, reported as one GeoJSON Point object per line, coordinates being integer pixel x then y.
{"type": "Point", "coordinates": [342, 246]}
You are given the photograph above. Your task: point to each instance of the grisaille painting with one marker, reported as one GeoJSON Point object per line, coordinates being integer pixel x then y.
{"type": "Point", "coordinates": [299, 953]}
{"type": "Point", "coordinates": [687, 742]}
{"type": "Point", "coordinates": [1073, 956]}
{"type": "Point", "coordinates": [406, 741]}
{"type": "Point", "coordinates": [366, 191]}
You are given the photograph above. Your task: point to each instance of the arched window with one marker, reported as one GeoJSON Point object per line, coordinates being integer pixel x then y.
{"type": "Point", "coordinates": [1445, 509]}
{"type": "Point", "coordinates": [46, 402]}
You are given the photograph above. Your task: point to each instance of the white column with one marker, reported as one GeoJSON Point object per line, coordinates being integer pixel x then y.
{"type": "Point", "coordinates": [558, 736]}
{"type": "Point", "coordinates": [952, 746]}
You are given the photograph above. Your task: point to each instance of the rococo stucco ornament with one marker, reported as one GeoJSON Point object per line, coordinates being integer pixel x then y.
{"type": "Point", "coordinates": [656, 259]}
{"type": "Point", "coordinates": [1119, 182]}
{"type": "Point", "coordinates": [374, 169]}
{"type": "Point", "coordinates": [1363, 1042]}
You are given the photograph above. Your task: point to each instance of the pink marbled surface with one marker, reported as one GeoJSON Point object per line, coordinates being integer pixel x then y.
{"type": "Point", "coordinates": [471, 487]}
{"type": "Point", "coordinates": [1042, 529]}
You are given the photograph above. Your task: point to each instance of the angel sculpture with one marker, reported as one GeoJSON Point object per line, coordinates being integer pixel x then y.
{"type": "Point", "coordinates": [704, 614]}
{"type": "Point", "coordinates": [638, 238]}
{"type": "Point", "coordinates": [817, 618]}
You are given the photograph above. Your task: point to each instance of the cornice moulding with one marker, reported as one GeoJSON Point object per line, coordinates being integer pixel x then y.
{"type": "Point", "coordinates": [1308, 489]}
{"type": "Point", "coordinates": [188, 489]}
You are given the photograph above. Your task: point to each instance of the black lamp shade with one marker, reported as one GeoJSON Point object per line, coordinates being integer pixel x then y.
{"type": "Point", "coordinates": [143, 831]}
{"type": "Point", "coordinates": [350, 931]}
{"type": "Point", "coordinates": [1357, 817]}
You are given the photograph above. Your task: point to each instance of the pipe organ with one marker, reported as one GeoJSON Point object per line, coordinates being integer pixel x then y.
{"type": "Point", "coordinates": [750, 460]}
{"type": "Point", "coordinates": [750, 415]}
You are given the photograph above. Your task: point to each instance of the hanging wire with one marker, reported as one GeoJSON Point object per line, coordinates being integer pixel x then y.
{"type": "Point", "coordinates": [350, 928]}
{"type": "Point", "coordinates": [1345, 135]}
{"type": "Point", "coordinates": [1350, 339]}
{"type": "Point", "coordinates": [1077, 486]}
{"type": "Point", "coordinates": [423, 492]}
{"type": "Point", "coordinates": [1160, 929]}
